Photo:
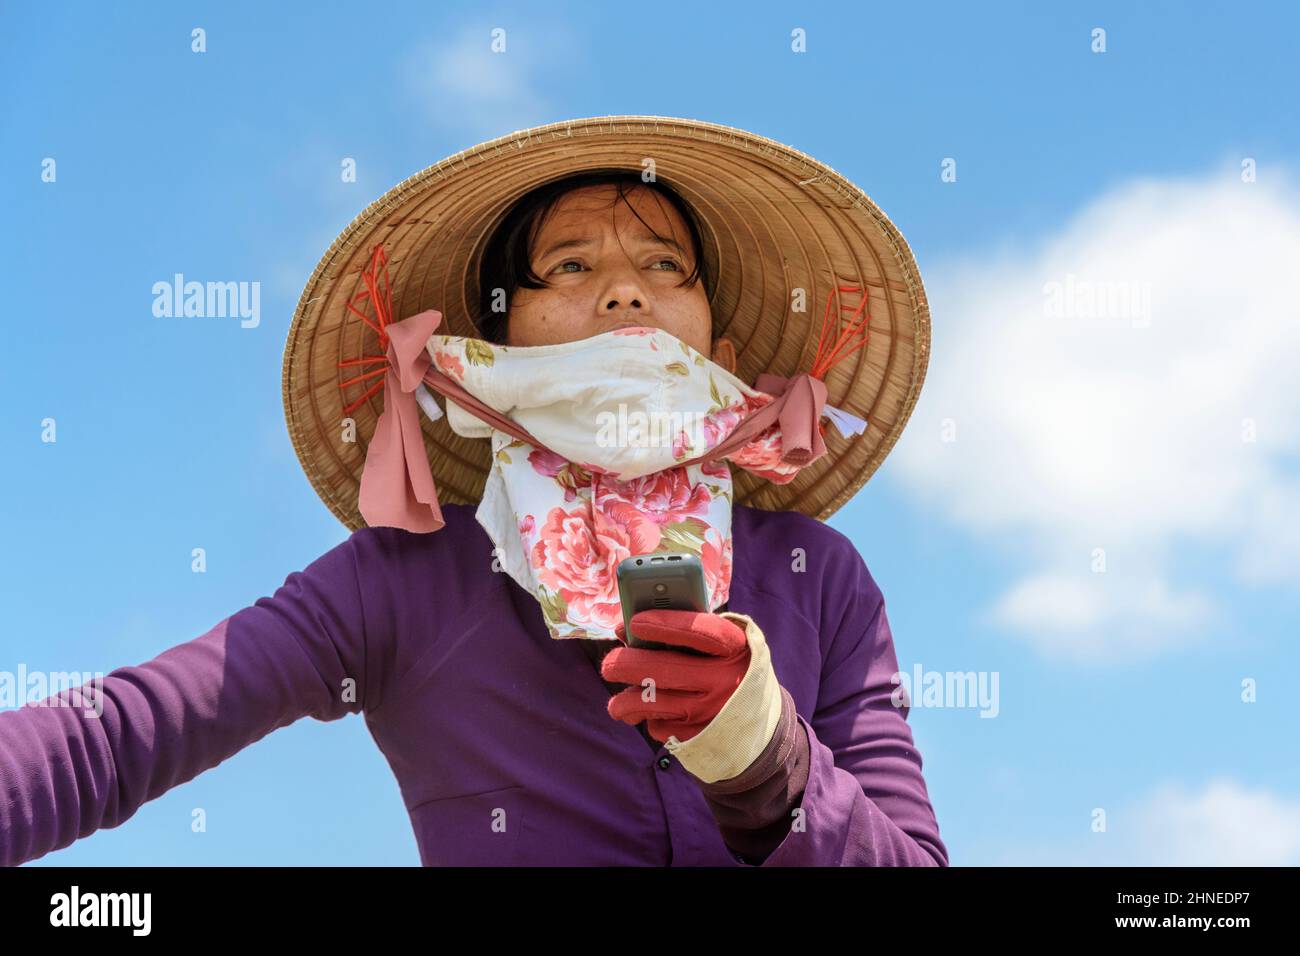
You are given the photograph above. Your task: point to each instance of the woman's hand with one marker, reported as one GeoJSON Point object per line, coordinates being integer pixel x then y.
{"type": "Point", "coordinates": [715, 711]}
{"type": "Point", "coordinates": [685, 691]}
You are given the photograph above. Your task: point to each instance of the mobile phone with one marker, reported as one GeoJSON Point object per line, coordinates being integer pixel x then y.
{"type": "Point", "coordinates": [649, 581]}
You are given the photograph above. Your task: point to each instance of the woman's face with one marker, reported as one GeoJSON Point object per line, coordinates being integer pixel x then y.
{"type": "Point", "coordinates": [607, 271]}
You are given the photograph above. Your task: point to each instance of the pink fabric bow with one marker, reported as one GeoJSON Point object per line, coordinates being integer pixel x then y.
{"type": "Point", "coordinates": [397, 488]}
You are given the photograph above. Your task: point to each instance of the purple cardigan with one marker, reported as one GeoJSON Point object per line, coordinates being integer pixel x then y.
{"type": "Point", "coordinates": [498, 735]}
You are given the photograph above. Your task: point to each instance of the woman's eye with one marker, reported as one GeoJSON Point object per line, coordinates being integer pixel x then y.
{"type": "Point", "coordinates": [671, 262]}
{"type": "Point", "coordinates": [568, 262]}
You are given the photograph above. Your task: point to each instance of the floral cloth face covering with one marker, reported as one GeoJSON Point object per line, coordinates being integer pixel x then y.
{"type": "Point", "coordinates": [616, 413]}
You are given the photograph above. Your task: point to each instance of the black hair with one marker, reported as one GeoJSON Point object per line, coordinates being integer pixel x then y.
{"type": "Point", "coordinates": [507, 257]}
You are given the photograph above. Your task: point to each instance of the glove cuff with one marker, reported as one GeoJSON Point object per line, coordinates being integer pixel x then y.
{"type": "Point", "coordinates": [745, 725]}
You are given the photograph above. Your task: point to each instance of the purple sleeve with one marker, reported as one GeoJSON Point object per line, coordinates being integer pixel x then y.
{"type": "Point", "coordinates": [309, 650]}
{"type": "Point", "coordinates": [865, 802]}
{"type": "Point", "coordinates": [753, 810]}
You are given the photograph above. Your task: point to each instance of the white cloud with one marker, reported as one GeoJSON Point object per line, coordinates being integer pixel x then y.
{"type": "Point", "coordinates": [1223, 823]}
{"type": "Point", "coordinates": [461, 82]}
{"type": "Point", "coordinates": [1079, 606]}
{"type": "Point", "coordinates": [1116, 422]}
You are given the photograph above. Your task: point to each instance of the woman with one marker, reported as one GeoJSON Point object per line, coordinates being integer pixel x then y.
{"type": "Point", "coordinates": [777, 743]}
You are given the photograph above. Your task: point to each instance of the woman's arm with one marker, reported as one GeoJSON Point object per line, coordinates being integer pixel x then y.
{"type": "Point", "coordinates": [865, 801]}
{"type": "Point", "coordinates": [311, 649]}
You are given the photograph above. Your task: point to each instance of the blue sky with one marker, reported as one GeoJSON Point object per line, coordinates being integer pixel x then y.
{"type": "Point", "coordinates": [1119, 690]}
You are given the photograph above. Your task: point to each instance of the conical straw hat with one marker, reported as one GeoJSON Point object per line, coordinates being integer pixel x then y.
{"type": "Point", "coordinates": [785, 237]}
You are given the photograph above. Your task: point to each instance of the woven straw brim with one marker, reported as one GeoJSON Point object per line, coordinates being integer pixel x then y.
{"type": "Point", "coordinates": [774, 220]}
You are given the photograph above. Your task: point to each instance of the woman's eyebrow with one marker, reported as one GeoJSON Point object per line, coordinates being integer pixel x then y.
{"type": "Point", "coordinates": [565, 244]}
{"type": "Point", "coordinates": [672, 243]}
{"type": "Point", "coordinates": [581, 243]}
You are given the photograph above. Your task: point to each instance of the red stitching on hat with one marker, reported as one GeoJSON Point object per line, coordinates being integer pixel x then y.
{"type": "Point", "coordinates": [383, 302]}
{"type": "Point", "coordinates": [840, 350]}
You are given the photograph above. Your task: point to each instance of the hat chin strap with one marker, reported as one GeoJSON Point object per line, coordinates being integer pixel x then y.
{"type": "Point", "coordinates": [845, 423]}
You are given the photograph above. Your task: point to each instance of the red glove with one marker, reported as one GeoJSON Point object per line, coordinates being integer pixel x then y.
{"type": "Point", "coordinates": [688, 689]}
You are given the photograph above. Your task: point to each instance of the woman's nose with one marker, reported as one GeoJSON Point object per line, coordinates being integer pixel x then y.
{"type": "Point", "coordinates": [625, 291]}
{"type": "Point", "coordinates": [632, 302]}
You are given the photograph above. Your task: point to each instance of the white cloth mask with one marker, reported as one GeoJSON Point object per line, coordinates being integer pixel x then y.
{"type": "Point", "coordinates": [616, 412]}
